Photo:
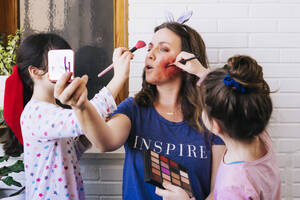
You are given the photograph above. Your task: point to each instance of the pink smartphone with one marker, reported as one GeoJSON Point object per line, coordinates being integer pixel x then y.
{"type": "Point", "coordinates": [60, 61]}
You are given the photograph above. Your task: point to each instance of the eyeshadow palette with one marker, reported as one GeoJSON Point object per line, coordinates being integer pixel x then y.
{"type": "Point", "coordinates": [159, 169]}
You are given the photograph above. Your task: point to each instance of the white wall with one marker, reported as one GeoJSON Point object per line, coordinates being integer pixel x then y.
{"type": "Point", "coordinates": [2, 86]}
{"type": "Point", "coordinates": [268, 30]}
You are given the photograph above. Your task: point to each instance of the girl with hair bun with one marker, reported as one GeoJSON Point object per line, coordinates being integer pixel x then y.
{"type": "Point", "coordinates": [237, 107]}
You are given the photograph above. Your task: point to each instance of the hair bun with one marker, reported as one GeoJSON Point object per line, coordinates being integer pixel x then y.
{"type": "Point", "coordinates": [247, 71]}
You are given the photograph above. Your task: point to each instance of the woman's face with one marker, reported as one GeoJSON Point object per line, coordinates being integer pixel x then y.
{"type": "Point", "coordinates": [162, 50]}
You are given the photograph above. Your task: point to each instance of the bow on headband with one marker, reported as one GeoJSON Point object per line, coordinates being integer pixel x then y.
{"type": "Point", "coordinates": [184, 17]}
{"type": "Point", "coordinates": [235, 84]}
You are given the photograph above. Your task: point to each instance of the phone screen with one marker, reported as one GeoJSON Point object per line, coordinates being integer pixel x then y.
{"type": "Point", "coordinates": [60, 61]}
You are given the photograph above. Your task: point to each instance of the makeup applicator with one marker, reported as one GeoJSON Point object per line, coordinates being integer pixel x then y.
{"type": "Point", "coordinates": [139, 44]}
{"type": "Point", "coordinates": [183, 61]}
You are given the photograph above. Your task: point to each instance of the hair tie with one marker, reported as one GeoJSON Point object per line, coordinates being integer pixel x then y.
{"type": "Point", "coordinates": [236, 85]}
{"type": "Point", "coordinates": [13, 103]}
{"type": "Point", "coordinates": [184, 17]}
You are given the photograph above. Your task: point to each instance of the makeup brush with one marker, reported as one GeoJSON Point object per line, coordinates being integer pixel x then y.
{"type": "Point", "coordinates": [183, 61]}
{"type": "Point", "coordinates": [139, 44]}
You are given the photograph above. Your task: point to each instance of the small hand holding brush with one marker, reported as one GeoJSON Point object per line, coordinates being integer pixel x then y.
{"type": "Point", "coordinates": [139, 44]}
{"type": "Point", "coordinates": [183, 61]}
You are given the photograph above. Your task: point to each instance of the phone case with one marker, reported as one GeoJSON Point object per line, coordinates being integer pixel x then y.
{"type": "Point", "coordinates": [60, 61]}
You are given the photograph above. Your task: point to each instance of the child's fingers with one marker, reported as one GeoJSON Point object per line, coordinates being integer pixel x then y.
{"type": "Point", "coordinates": [61, 84]}
{"type": "Point", "coordinates": [126, 54]}
{"type": "Point", "coordinates": [85, 78]}
{"type": "Point", "coordinates": [77, 94]}
{"type": "Point", "coordinates": [67, 93]}
{"type": "Point", "coordinates": [118, 52]}
{"type": "Point", "coordinates": [81, 89]}
{"type": "Point", "coordinates": [184, 55]}
{"type": "Point", "coordinates": [82, 99]}
{"type": "Point", "coordinates": [180, 65]}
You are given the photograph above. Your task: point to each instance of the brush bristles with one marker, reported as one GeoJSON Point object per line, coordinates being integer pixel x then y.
{"type": "Point", "coordinates": [140, 44]}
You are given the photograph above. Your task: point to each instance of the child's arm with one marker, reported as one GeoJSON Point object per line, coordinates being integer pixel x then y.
{"type": "Point", "coordinates": [104, 101]}
{"type": "Point", "coordinates": [121, 60]}
{"type": "Point", "coordinates": [106, 138]}
{"type": "Point", "coordinates": [217, 155]}
{"type": "Point", "coordinates": [236, 192]}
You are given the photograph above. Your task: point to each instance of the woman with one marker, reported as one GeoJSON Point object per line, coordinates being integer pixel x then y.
{"type": "Point", "coordinates": [164, 117]}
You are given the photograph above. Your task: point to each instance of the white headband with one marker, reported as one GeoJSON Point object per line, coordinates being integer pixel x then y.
{"type": "Point", "coordinates": [184, 17]}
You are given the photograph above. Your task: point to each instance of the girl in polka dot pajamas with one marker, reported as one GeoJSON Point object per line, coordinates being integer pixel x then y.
{"type": "Point", "coordinates": [52, 135]}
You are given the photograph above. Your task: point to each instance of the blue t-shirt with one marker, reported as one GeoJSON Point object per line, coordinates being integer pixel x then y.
{"type": "Point", "coordinates": [176, 140]}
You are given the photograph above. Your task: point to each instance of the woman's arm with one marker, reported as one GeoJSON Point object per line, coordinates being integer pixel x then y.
{"type": "Point", "coordinates": [217, 155]}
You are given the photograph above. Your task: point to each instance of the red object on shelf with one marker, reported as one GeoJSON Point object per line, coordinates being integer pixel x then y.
{"type": "Point", "coordinates": [13, 103]}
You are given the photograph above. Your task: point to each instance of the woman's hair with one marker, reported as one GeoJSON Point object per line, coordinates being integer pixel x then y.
{"type": "Point", "coordinates": [191, 42]}
{"type": "Point", "coordinates": [33, 51]}
{"type": "Point", "coordinates": [241, 114]}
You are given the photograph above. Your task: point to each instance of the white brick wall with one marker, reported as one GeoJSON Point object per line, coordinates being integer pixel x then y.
{"type": "Point", "coordinates": [268, 30]}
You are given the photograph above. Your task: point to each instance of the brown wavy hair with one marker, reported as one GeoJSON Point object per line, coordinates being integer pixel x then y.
{"type": "Point", "coordinates": [191, 42]}
{"type": "Point", "coordinates": [242, 116]}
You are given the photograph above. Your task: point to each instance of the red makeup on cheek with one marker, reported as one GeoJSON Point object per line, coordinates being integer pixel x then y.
{"type": "Point", "coordinates": [171, 71]}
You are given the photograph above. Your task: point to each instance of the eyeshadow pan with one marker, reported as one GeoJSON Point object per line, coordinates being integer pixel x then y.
{"type": "Point", "coordinates": [164, 170]}
{"type": "Point", "coordinates": [177, 182]}
{"type": "Point", "coordinates": [155, 171]}
{"type": "Point", "coordinates": [154, 154]}
{"type": "Point", "coordinates": [182, 173]}
{"type": "Point", "coordinates": [186, 186]}
{"type": "Point", "coordinates": [155, 160]}
{"type": "Point", "coordinates": [173, 164]}
{"type": "Point", "coordinates": [159, 169]}
{"type": "Point", "coordinates": [165, 176]}
{"type": "Point", "coordinates": [155, 165]}
{"type": "Point", "coordinates": [164, 159]}
{"type": "Point", "coordinates": [164, 165]}
{"type": "Point", "coordinates": [157, 178]}
{"type": "Point", "coordinates": [175, 175]}
{"type": "Point", "coordinates": [183, 179]}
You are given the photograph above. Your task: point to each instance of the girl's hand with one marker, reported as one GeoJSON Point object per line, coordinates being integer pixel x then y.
{"type": "Point", "coordinates": [172, 192]}
{"type": "Point", "coordinates": [192, 66]}
{"type": "Point", "coordinates": [74, 93]}
{"type": "Point", "coordinates": [121, 60]}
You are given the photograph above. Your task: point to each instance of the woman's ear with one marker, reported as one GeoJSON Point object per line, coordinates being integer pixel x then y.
{"type": "Point", "coordinates": [34, 72]}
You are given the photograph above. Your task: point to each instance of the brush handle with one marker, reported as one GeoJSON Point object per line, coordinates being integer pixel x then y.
{"type": "Point", "coordinates": [133, 49]}
{"type": "Point", "coordinates": [184, 61]}
{"type": "Point", "coordinates": [188, 59]}
{"type": "Point", "coordinates": [106, 70]}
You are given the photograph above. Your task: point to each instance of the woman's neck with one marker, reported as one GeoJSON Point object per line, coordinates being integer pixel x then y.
{"type": "Point", "coordinates": [244, 151]}
{"type": "Point", "coordinates": [168, 93]}
{"type": "Point", "coordinates": [168, 102]}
